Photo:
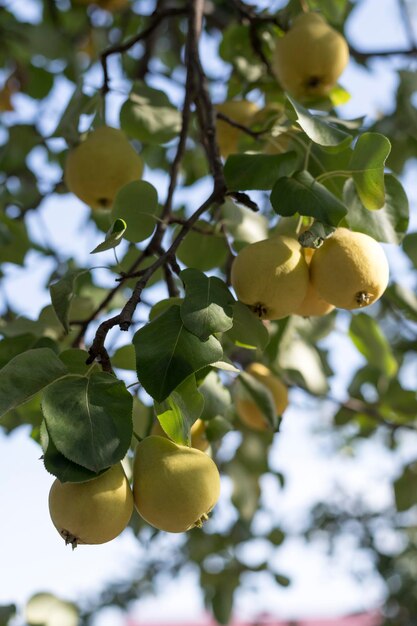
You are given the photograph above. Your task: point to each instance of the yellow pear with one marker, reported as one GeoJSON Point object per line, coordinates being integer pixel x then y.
{"type": "Point", "coordinates": [98, 167]}
{"type": "Point", "coordinates": [310, 57]}
{"type": "Point", "coordinates": [241, 112]}
{"type": "Point", "coordinates": [92, 512]}
{"type": "Point", "coordinates": [248, 411]}
{"type": "Point", "coordinates": [198, 434]}
{"type": "Point", "coordinates": [174, 487]}
{"type": "Point", "coordinates": [271, 276]}
{"type": "Point", "coordinates": [313, 304]}
{"type": "Point", "coordinates": [350, 270]}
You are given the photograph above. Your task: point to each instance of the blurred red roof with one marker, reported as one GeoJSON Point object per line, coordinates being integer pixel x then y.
{"type": "Point", "coordinates": [363, 619]}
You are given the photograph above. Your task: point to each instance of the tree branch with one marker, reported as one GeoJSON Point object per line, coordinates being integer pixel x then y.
{"type": "Point", "coordinates": [156, 18]}
{"type": "Point", "coordinates": [196, 88]}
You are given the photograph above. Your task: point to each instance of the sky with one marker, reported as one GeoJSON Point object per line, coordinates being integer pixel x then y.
{"type": "Point", "coordinates": [33, 555]}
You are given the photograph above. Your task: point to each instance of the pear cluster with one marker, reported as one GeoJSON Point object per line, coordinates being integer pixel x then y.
{"type": "Point", "coordinates": [174, 489]}
{"type": "Point", "coordinates": [275, 278]}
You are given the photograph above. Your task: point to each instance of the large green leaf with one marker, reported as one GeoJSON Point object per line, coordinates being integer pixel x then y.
{"type": "Point", "coordinates": [206, 308]}
{"type": "Point", "coordinates": [247, 331]}
{"type": "Point", "coordinates": [258, 171]}
{"type": "Point", "coordinates": [304, 195]}
{"type": "Point", "coordinates": [318, 130]}
{"type": "Point", "coordinates": [57, 464]}
{"type": "Point", "coordinates": [180, 410]}
{"type": "Point", "coordinates": [367, 165]}
{"type": "Point", "coordinates": [369, 339]}
{"type": "Point", "coordinates": [26, 374]}
{"type": "Point", "coordinates": [89, 419]}
{"type": "Point", "coordinates": [62, 294]}
{"type": "Point", "coordinates": [167, 353]}
{"type": "Point", "coordinates": [137, 204]}
{"type": "Point", "coordinates": [390, 223]}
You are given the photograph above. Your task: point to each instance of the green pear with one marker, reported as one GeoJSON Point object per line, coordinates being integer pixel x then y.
{"type": "Point", "coordinates": [98, 167]}
{"type": "Point", "coordinates": [310, 57]}
{"type": "Point", "coordinates": [92, 512]}
{"type": "Point", "coordinates": [174, 486]}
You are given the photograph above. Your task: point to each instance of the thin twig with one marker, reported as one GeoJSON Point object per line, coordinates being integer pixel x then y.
{"type": "Point", "coordinates": [156, 18]}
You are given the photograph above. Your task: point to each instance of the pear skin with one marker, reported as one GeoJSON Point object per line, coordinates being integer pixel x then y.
{"type": "Point", "coordinates": [92, 512]}
{"type": "Point", "coordinates": [350, 270]}
{"type": "Point", "coordinates": [174, 487]}
{"type": "Point", "coordinates": [271, 277]}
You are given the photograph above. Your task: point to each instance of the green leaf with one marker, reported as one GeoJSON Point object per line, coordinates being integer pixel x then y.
{"type": "Point", "coordinates": [318, 130]}
{"type": "Point", "coordinates": [222, 601]}
{"type": "Point", "coordinates": [247, 331]}
{"type": "Point", "coordinates": [389, 224]}
{"type": "Point", "coordinates": [302, 361]}
{"type": "Point", "coordinates": [405, 488]}
{"type": "Point", "coordinates": [124, 358]}
{"type": "Point", "coordinates": [74, 360]}
{"type": "Point", "coordinates": [304, 195]}
{"type": "Point", "coordinates": [26, 374]}
{"type": "Point", "coordinates": [367, 165]}
{"type": "Point", "coordinates": [262, 397]}
{"type": "Point", "coordinates": [203, 251]}
{"type": "Point", "coordinates": [258, 171]}
{"type": "Point", "coordinates": [16, 242]}
{"type": "Point", "coordinates": [12, 346]}
{"type": "Point", "coordinates": [217, 399]}
{"type": "Point", "coordinates": [282, 580]}
{"type": "Point", "coordinates": [149, 116]}
{"type": "Point", "coordinates": [57, 464]}
{"type": "Point", "coordinates": [7, 611]}
{"type": "Point", "coordinates": [163, 305]}
{"type": "Point", "coordinates": [372, 343]}
{"type": "Point", "coordinates": [113, 238]}
{"type": "Point", "coordinates": [89, 419]}
{"type": "Point", "coordinates": [206, 308]}
{"type": "Point", "coordinates": [410, 247]}
{"type": "Point", "coordinates": [79, 104]}
{"type": "Point", "coordinates": [167, 353]}
{"type": "Point", "coordinates": [217, 427]}
{"type": "Point", "coordinates": [137, 204]}
{"type": "Point", "coordinates": [62, 293]}
{"type": "Point", "coordinates": [180, 410]}
{"type": "Point", "coordinates": [244, 225]}
{"type": "Point", "coordinates": [403, 298]}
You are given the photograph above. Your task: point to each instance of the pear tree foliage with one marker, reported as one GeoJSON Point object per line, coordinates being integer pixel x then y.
{"type": "Point", "coordinates": [157, 332]}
